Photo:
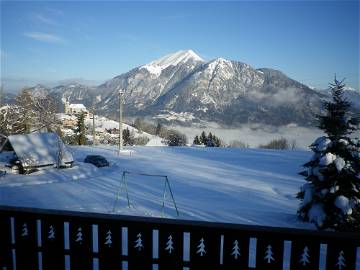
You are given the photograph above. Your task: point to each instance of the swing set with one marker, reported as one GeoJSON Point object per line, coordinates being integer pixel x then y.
{"type": "Point", "coordinates": [124, 187]}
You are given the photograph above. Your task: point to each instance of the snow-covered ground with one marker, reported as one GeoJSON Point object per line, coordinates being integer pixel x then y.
{"type": "Point", "coordinates": [247, 186]}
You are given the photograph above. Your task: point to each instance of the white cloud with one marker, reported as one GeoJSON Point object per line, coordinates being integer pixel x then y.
{"type": "Point", "coordinates": [46, 20]}
{"type": "Point", "coordinates": [45, 37]}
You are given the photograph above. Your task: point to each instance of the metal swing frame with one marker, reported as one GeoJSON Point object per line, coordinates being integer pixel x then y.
{"type": "Point", "coordinates": [124, 187]}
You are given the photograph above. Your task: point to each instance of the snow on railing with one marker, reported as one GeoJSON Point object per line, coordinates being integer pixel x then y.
{"type": "Point", "coordinates": [52, 239]}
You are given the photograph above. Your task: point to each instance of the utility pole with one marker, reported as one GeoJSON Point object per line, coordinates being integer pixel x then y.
{"type": "Point", "coordinates": [93, 109]}
{"type": "Point", "coordinates": [1, 96]}
{"type": "Point", "coordinates": [121, 97]}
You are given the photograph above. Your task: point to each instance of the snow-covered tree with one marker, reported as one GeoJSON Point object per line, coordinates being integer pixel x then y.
{"type": "Point", "coordinates": [201, 247]}
{"type": "Point", "coordinates": [79, 236]}
{"type": "Point", "coordinates": [304, 258]}
{"type": "Point", "coordinates": [331, 196]}
{"type": "Point", "coordinates": [25, 101]}
{"type": "Point", "coordinates": [51, 232]}
{"type": "Point", "coordinates": [138, 243]}
{"type": "Point", "coordinates": [269, 254]}
{"type": "Point", "coordinates": [108, 239]}
{"type": "Point", "coordinates": [169, 244]}
{"type": "Point", "coordinates": [341, 261]}
{"type": "Point", "coordinates": [24, 231]}
{"type": "Point", "coordinates": [235, 250]}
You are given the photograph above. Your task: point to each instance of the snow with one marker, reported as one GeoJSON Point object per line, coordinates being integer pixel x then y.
{"type": "Point", "coordinates": [38, 149]}
{"type": "Point", "coordinates": [317, 214]}
{"type": "Point", "coordinates": [77, 106]}
{"type": "Point", "coordinates": [247, 186]}
{"type": "Point", "coordinates": [321, 144]}
{"type": "Point", "coordinates": [343, 203]}
{"type": "Point", "coordinates": [327, 159]}
{"type": "Point", "coordinates": [339, 163]}
{"type": "Point", "coordinates": [171, 116]}
{"type": "Point", "coordinates": [157, 66]}
{"type": "Point", "coordinates": [309, 191]}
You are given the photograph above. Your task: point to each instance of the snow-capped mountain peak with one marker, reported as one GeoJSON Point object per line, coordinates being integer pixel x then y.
{"type": "Point", "coordinates": [157, 66]}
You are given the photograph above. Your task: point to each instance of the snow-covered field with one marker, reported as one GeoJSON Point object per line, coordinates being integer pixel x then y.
{"type": "Point", "coordinates": [247, 186]}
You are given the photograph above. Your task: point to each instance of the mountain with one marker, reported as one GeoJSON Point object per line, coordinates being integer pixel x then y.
{"type": "Point", "coordinates": [183, 88]}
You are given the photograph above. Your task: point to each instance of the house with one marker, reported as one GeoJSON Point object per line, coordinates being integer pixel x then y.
{"type": "Point", "coordinates": [37, 150]}
{"type": "Point", "coordinates": [75, 109]}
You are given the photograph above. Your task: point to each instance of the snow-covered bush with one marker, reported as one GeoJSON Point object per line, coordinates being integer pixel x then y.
{"type": "Point", "coordinates": [331, 196]}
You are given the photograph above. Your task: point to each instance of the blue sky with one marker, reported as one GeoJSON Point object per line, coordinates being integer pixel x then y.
{"type": "Point", "coordinates": [48, 42]}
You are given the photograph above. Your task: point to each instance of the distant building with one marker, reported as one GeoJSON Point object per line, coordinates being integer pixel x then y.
{"type": "Point", "coordinates": [75, 109]}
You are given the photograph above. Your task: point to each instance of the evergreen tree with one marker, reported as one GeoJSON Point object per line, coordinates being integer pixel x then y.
{"type": "Point", "coordinates": [331, 196]}
{"type": "Point", "coordinates": [209, 140]}
{"type": "Point", "coordinates": [203, 138]}
{"type": "Point", "coordinates": [80, 129]}
{"type": "Point", "coordinates": [196, 140]}
{"type": "Point", "coordinates": [216, 141]}
{"type": "Point", "coordinates": [159, 130]}
{"type": "Point", "coordinates": [127, 137]}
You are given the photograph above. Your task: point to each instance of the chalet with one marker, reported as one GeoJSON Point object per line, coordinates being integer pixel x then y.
{"type": "Point", "coordinates": [37, 150]}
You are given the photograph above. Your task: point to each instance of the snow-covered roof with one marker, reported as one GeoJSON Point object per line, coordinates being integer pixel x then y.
{"type": "Point", "coordinates": [38, 149]}
{"type": "Point", "coordinates": [77, 106]}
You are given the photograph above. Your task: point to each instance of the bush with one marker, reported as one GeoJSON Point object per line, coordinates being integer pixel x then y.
{"type": "Point", "coordinates": [238, 144]}
{"type": "Point", "coordinates": [142, 140]}
{"type": "Point", "coordinates": [279, 144]}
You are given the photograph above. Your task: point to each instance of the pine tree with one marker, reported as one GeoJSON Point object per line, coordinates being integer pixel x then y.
{"type": "Point", "coordinates": [331, 196]}
{"type": "Point", "coordinates": [269, 254]}
{"type": "Point", "coordinates": [341, 261]}
{"type": "Point", "coordinates": [159, 130]}
{"type": "Point", "coordinates": [236, 250]}
{"type": "Point", "coordinates": [169, 244]}
{"type": "Point", "coordinates": [80, 129]}
{"type": "Point", "coordinates": [203, 138]}
{"type": "Point", "coordinates": [196, 140]}
{"type": "Point", "coordinates": [138, 243]}
{"type": "Point", "coordinates": [79, 235]}
{"type": "Point", "coordinates": [201, 247]}
{"type": "Point", "coordinates": [127, 137]}
{"type": "Point", "coordinates": [51, 233]}
{"type": "Point", "coordinates": [24, 231]}
{"type": "Point", "coordinates": [304, 259]}
{"type": "Point", "coordinates": [209, 140]}
{"type": "Point", "coordinates": [108, 239]}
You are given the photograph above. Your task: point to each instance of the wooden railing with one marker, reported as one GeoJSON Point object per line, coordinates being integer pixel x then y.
{"type": "Point", "coordinates": [52, 239]}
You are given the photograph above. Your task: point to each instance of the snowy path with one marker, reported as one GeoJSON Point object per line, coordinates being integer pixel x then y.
{"type": "Point", "coordinates": [247, 186]}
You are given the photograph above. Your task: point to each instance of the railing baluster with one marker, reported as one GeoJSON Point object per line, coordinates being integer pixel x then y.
{"type": "Point", "coordinates": [205, 249]}
{"type": "Point", "coordinates": [109, 245]}
{"type": "Point", "coordinates": [305, 254]}
{"type": "Point", "coordinates": [139, 246]}
{"type": "Point", "coordinates": [26, 242]}
{"type": "Point", "coordinates": [170, 248]}
{"type": "Point", "coordinates": [52, 243]}
{"type": "Point", "coordinates": [81, 244]}
{"type": "Point", "coordinates": [340, 255]}
{"type": "Point", "coordinates": [236, 250]}
{"type": "Point", "coordinates": [269, 252]}
{"type": "Point", "coordinates": [5, 242]}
